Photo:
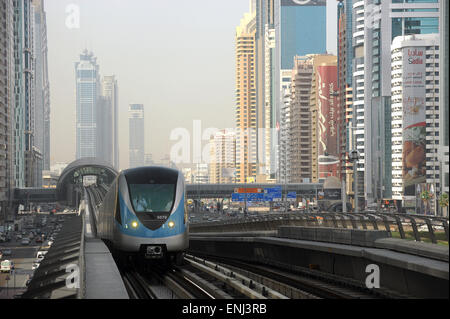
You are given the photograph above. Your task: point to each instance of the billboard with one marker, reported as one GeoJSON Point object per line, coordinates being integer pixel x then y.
{"type": "Point", "coordinates": [414, 119]}
{"type": "Point", "coordinates": [327, 110]}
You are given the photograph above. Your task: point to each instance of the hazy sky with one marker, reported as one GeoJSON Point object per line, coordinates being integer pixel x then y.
{"type": "Point", "coordinates": [176, 57]}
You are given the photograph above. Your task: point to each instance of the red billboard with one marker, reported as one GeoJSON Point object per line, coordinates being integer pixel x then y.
{"type": "Point", "coordinates": [327, 111]}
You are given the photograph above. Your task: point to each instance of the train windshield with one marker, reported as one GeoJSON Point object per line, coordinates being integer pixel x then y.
{"type": "Point", "coordinates": [152, 189]}
{"type": "Point", "coordinates": [152, 198]}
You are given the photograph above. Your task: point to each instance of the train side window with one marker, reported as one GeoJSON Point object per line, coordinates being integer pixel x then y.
{"type": "Point", "coordinates": [117, 210]}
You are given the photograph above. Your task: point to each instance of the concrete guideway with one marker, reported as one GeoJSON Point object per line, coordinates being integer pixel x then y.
{"type": "Point", "coordinates": [408, 274]}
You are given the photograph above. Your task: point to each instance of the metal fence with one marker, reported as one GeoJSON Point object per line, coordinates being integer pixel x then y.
{"type": "Point", "coordinates": [405, 226]}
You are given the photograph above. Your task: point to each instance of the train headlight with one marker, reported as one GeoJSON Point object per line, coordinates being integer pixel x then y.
{"type": "Point", "coordinates": [171, 224]}
{"type": "Point", "coordinates": [134, 224]}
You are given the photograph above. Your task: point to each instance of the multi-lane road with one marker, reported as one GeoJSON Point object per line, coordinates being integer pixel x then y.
{"type": "Point", "coordinates": [23, 258]}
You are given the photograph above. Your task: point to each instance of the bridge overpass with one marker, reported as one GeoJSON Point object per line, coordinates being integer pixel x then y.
{"type": "Point", "coordinates": [193, 191]}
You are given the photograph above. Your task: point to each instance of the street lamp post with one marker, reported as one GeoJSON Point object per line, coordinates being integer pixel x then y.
{"type": "Point", "coordinates": [354, 157]}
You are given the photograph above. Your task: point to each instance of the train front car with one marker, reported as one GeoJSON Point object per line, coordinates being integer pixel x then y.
{"type": "Point", "coordinates": [153, 221]}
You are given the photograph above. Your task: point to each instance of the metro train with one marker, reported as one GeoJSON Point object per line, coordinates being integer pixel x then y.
{"type": "Point", "coordinates": [144, 214]}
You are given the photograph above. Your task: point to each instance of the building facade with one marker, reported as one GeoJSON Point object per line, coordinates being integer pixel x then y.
{"type": "Point", "coordinates": [137, 135]}
{"type": "Point", "coordinates": [300, 121]}
{"type": "Point", "coordinates": [110, 91]}
{"type": "Point", "coordinates": [444, 109]}
{"type": "Point", "coordinates": [7, 98]}
{"type": "Point", "coordinates": [246, 98]}
{"type": "Point", "coordinates": [415, 118]}
{"type": "Point", "coordinates": [385, 20]}
{"type": "Point", "coordinates": [42, 91]}
{"type": "Point", "coordinates": [294, 36]}
{"type": "Point", "coordinates": [104, 129]}
{"type": "Point", "coordinates": [222, 160]}
{"type": "Point", "coordinates": [88, 91]}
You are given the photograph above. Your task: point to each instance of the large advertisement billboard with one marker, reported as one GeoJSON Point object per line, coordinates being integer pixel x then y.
{"type": "Point", "coordinates": [414, 119]}
{"type": "Point", "coordinates": [327, 111]}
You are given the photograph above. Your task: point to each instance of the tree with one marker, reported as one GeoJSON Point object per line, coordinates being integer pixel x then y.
{"type": "Point", "coordinates": [443, 200]}
{"type": "Point", "coordinates": [426, 196]}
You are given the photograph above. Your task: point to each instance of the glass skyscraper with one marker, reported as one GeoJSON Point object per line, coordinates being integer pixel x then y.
{"type": "Point", "coordinates": [302, 29]}
{"type": "Point", "coordinates": [137, 135]}
{"type": "Point", "coordinates": [88, 88]}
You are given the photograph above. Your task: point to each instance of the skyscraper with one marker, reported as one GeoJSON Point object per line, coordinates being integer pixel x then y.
{"type": "Point", "coordinates": [300, 29]}
{"type": "Point", "coordinates": [110, 90]}
{"type": "Point", "coordinates": [24, 93]}
{"type": "Point", "coordinates": [415, 117]}
{"type": "Point", "coordinates": [300, 121]}
{"type": "Point", "coordinates": [385, 20]}
{"type": "Point", "coordinates": [137, 135]}
{"type": "Point", "coordinates": [104, 126]}
{"type": "Point", "coordinates": [246, 113]}
{"type": "Point", "coordinates": [345, 91]}
{"type": "Point", "coordinates": [443, 98]}
{"type": "Point", "coordinates": [264, 18]}
{"type": "Point", "coordinates": [42, 98]}
{"type": "Point", "coordinates": [7, 150]}
{"type": "Point", "coordinates": [88, 89]}
{"type": "Point", "coordinates": [357, 131]}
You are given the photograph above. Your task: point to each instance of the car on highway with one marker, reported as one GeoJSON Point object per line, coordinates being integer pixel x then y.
{"type": "Point", "coordinates": [35, 266]}
{"type": "Point", "coordinates": [25, 242]}
{"type": "Point", "coordinates": [6, 252]}
{"type": "Point", "coordinates": [50, 242]}
{"type": "Point", "coordinates": [6, 266]}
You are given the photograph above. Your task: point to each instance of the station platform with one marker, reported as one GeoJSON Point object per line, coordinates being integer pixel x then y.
{"type": "Point", "coordinates": [102, 277]}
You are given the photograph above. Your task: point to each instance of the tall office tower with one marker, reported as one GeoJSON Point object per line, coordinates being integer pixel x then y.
{"type": "Point", "coordinates": [358, 80]}
{"type": "Point", "coordinates": [88, 91]}
{"type": "Point", "coordinates": [415, 117]}
{"type": "Point", "coordinates": [24, 92]}
{"type": "Point", "coordinates": [42, 97]}
{"type": "Point", "coordinates": [246, 143]}
{"type": "Point", "coordinates": [222, 160]}
{"type": "Point", "coordinates": [323, 108]}
{"type": "Point", "coordinates": [443, 98]}
{"type": "Point", "coordinates": [385, 20]}
{"type": "Point", "coordinates": [284, 149]}
{"type": "Point", "coordinates": [300, 121]}
{"type": "Point", "coordinates": [345, 93]}
{"type": "Point", "coordinates": [300, 29]}
{"type": "Point", "coordinates": [7, 171]}
{"type": "Point", "coordinates": [104, 126]}
{"type": "Point", "coordinates": [137, 135]}
{"type": "Point", "coordinates": [110, 90]}
{"type": "Point", "coordinates": [264, 16]}
{"type": "Point", "coordinates": [269, 105]}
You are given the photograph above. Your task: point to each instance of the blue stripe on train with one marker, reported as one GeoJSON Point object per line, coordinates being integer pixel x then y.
{"type": "Point", "coordinates": [141, 231]}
